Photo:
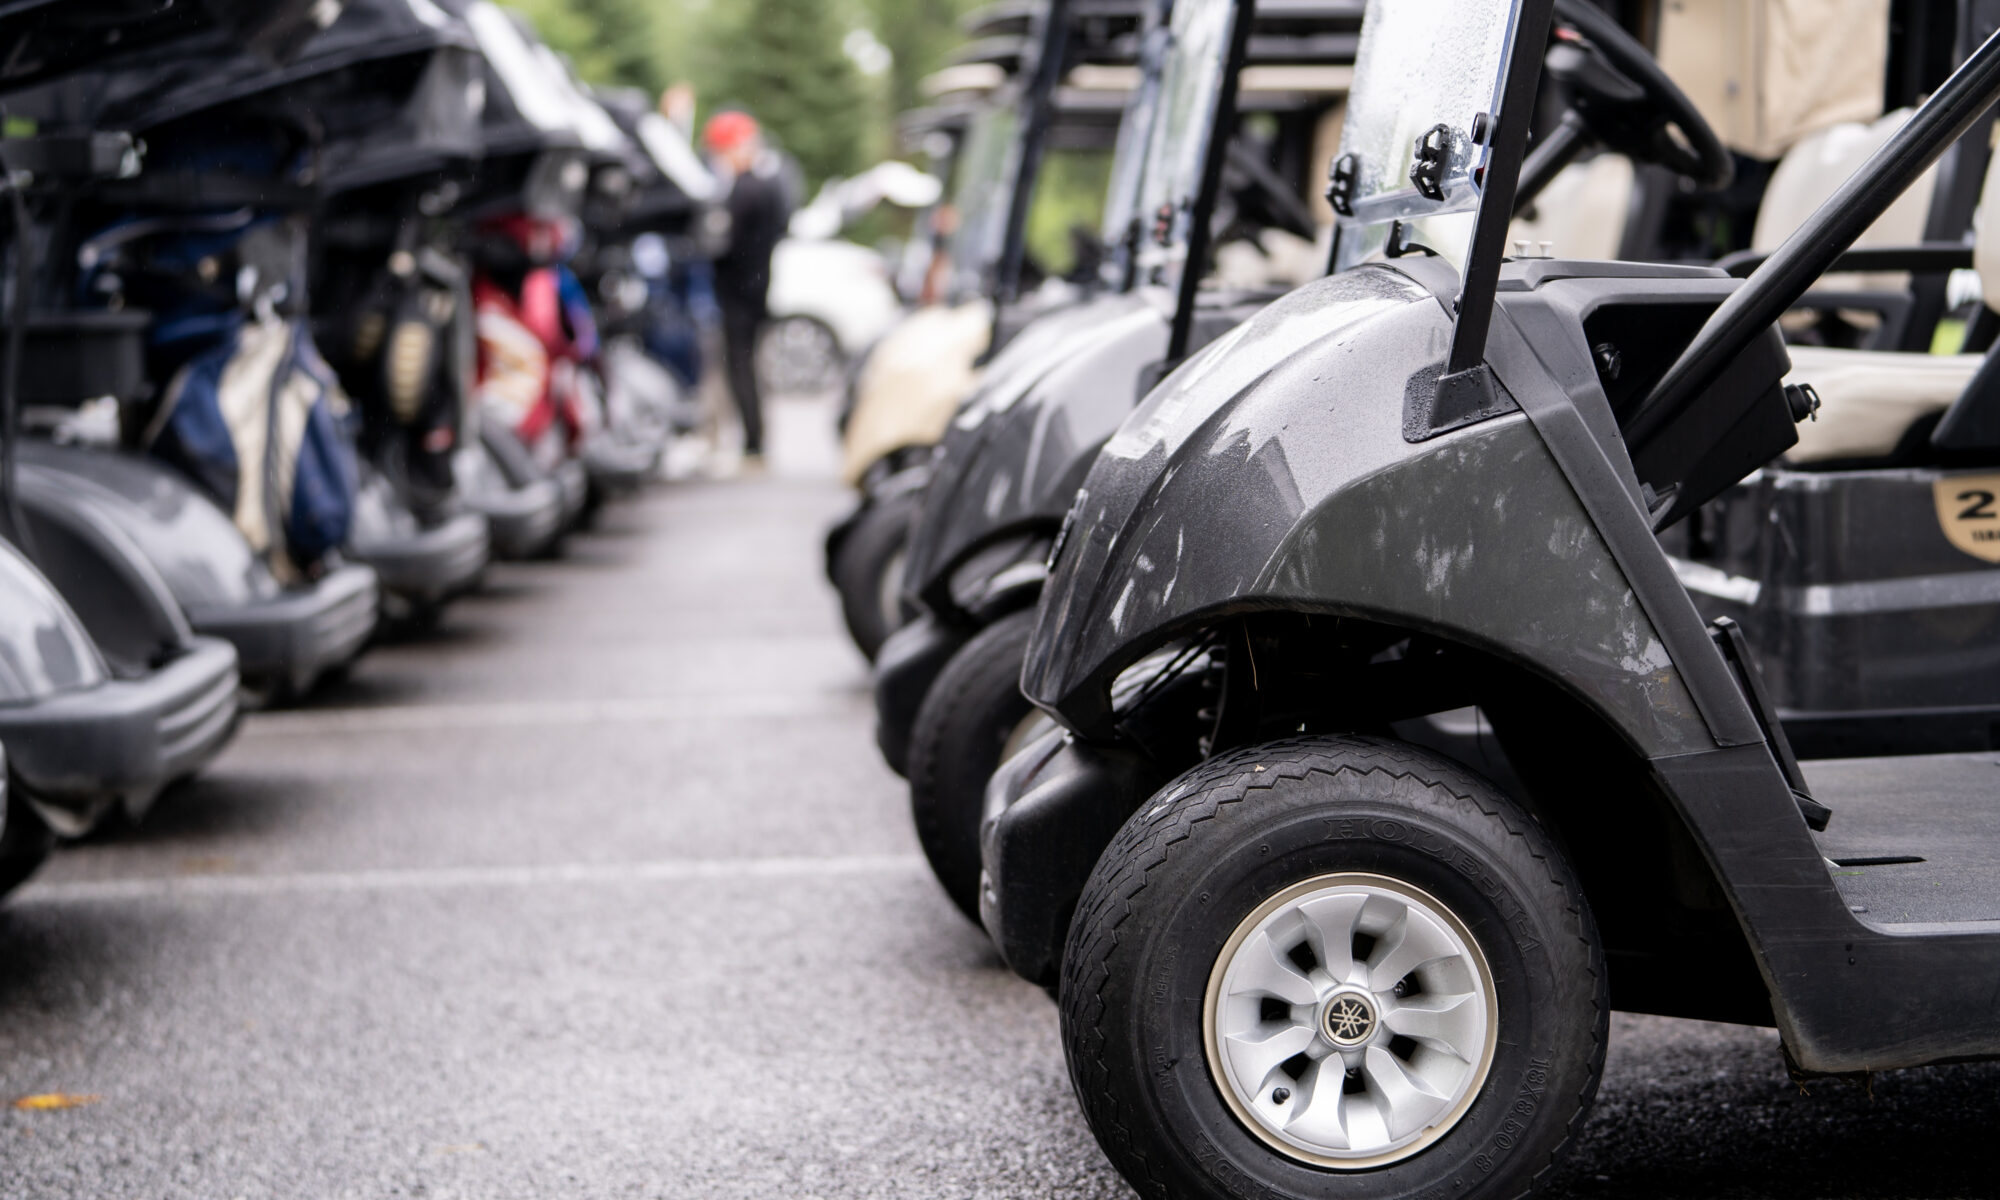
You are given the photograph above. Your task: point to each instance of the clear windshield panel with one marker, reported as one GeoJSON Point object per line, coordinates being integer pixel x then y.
{"type": "Point", "coordinates": [1190, 79]}
{"type": "Point", "coordinates": [1426, 69]}
{"type": "Point", "coordinates": [983, 196]}
{"type": "Point", "coordinates": [1135, 135]}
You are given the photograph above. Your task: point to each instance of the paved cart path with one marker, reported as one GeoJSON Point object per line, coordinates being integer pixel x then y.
{"type": "Point", "coordinates": [602, 891]}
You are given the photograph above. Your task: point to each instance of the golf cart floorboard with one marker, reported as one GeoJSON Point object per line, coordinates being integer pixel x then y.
{"type": "Point", "coordinates": [1941, 810]}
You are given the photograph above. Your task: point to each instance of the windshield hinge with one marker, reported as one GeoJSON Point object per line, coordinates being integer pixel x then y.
{"type": "Point", "coordinates": [1433, 154]}
{"type": "Point", "coordinates": [1341, 178]}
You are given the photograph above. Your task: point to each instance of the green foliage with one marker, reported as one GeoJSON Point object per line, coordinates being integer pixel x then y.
{"type": "Point", "coordinates": [609, 41]}
{"type": "Point", "coordinates": [1068, 196]}
{"type": "Point", "coordinates": [782, 62]}
{"type": "Point", "coordinates": [921, 34]}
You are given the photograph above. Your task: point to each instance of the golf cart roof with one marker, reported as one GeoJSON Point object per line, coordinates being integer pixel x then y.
{"type": "Point", "coordinates": [40, 39]}
{"type": "Point", "coordinates": [527, 110]}
{"type": "Point", "coordinates": [670, 180]}
{"type": "Point", "coordinates": [141, 89]}
{"type": "Point", "coordinates": [1016, 18]}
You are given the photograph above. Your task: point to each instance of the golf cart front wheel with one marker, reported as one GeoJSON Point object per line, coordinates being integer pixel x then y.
{"type": "Point", "coordinates": [25, 841]}
{"type": "Point", "coordinates": [973, 718]}
{"type": "Point", "coordinates": [1333, 966]}
{"type": "Point", "coordinates": [800, 356]}
{"type": "Point", "coordinates": [868, 571]}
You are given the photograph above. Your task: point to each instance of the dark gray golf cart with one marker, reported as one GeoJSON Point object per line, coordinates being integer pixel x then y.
{"type": "Point", "coordinates": [1008, 471]}
{"type": "Point", "coordinates": [1299, 956]}
{"type": "Point", "coordinates": [1010, 462]}
{"type": "Point", "coordinates": [1003, 142]}
{"type": "Point", "coordinates": [96, 515]}
{"type": "Point", "coordinates": [85, 735]}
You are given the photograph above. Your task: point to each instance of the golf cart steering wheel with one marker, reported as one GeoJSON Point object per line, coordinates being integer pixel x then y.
{"type": "Point", "coordinates": [1627, 103]}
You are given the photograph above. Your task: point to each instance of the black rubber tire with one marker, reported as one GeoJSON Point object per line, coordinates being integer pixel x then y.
{"type": "Point", "coordinates": [24, 844]}
{"type": "Point", "coordinates": [964, 721]}
{"type": "Point", "coordinates": [1211, 846]}
{"type": "Point", "coordinates": [878, 536]}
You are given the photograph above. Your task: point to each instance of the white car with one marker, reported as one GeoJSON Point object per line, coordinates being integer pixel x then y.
{"type": "Point", "coordinates": [831, 299]}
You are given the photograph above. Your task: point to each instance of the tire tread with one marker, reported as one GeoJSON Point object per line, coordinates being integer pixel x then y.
{"type": "Point", "coordinates": [1147, 841]}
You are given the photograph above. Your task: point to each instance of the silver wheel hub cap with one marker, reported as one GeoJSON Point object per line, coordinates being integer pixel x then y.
{"type": "Point", "coordinates": [1350, 1021]}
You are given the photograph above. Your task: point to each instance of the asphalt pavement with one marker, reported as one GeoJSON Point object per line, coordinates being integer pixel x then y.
{"type": "Point", "coordinates": [602, 891]}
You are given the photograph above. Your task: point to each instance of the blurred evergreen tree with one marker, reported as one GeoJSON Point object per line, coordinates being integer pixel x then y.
{"type": "Point", "coordinates": [782, 61]}
{"type": "Point", "coordinates": [609, 41]}
{"type": "Point", "coordinates": [921, 34]}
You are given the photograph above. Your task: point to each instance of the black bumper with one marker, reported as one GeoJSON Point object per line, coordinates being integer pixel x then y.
{"type": "Point", "coordinates": [908, 663]}
{"type": "Point", "coordinates": [573, 483]}
{"type": "Point", "coordinates": [1050, 812]}
{"type": "Point", "coordinates": [618, 466]}
{"type": "Point", "coordinates": [427, 567]}
{"type": "Point", "coordinates": [522, 522]}
{"type": "Point", "coordinates": [77, 754]}
{"type": "Point", "coordinates": [287, 643]}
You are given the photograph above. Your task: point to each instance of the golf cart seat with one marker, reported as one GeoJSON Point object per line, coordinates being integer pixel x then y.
{"type": "Point", "coordinates": [1775, 92]}
{"type": "Point", "coordinates": [1874, 403]}
{"type": "Point", "coordinates": [1814, 169]}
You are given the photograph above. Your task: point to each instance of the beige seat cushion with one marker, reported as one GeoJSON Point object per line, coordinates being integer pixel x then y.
{"type": "Point", "coordinates": [1815, 169]}
{"type": "Point", "coordinates": [913, 382]}
{"type": "Point", "coordinates": [1869, 399]}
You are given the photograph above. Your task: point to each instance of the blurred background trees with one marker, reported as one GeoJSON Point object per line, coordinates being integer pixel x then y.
{"type": "Point", "coordinates": [825, 77]}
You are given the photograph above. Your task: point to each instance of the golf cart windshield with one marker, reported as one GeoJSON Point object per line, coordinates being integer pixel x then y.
{"type": "Point", "coordinates": [1426, 72]}
{"type": "Point", "coordinates": [1177, 152]}
{"type": "Point", "coordinates": [1135, 137]}
{"type": "Point", "coordinates": [984, 196]}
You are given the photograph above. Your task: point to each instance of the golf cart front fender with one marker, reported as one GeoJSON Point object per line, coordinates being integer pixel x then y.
{"type": "Point", "coordinates": [79, 753]}
{"type": "Point", "coordinates": [284, 638]}
{"type": "Point", "coordinates": [909, 662]}
{"type": "Point", "coordinates": [1050, 811]}
{"type": "Point", "coordinates": [1012, 459]}
{"type": "Point", "coordinates": [1273, 472]}
{"type": "Point", "coordinates": [418, 565]}
{"type": "Point", "coordinates": [915, 655]}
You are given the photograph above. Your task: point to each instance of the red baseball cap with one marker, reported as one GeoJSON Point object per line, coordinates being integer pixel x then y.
{"type": "Point", "coordinates": [728, 130]}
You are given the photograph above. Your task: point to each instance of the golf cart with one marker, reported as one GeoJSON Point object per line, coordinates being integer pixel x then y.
{"type": "Point", "coordinates": [916, 377]}
{"type": "Point", "coordinates": [650, 337]}
{"type": "Point", "coordinates": [621, 445]}
{"type": "Point", "coordinates": [1008, 467]}
{"type": "Point", "coordinates": [85, 738]}
{"type": "Point", "coordinates": [213, 240]}
{"type": "Point", "coordinates": [1309, 957]}
{"type": "Point", "coordinates": [520, 212]}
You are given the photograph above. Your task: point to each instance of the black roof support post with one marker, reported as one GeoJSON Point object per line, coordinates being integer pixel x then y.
{"type": "Point", "coordinates": [1038, 111]}
{"type": "Point", "coordinates": [1468, 389]}
{"type": "Point", "coordinates": [1221, 131]}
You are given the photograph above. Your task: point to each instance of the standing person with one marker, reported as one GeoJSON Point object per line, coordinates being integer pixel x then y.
{"type": "Point", "coordinates": [757, 219]}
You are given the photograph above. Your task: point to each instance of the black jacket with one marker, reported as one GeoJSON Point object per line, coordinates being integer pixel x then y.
{"type": "Point", "coordinates": [758, 215]}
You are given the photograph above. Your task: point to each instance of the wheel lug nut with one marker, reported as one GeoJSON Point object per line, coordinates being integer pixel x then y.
{"type": "Point", "coordinates": [1280, 1095]}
